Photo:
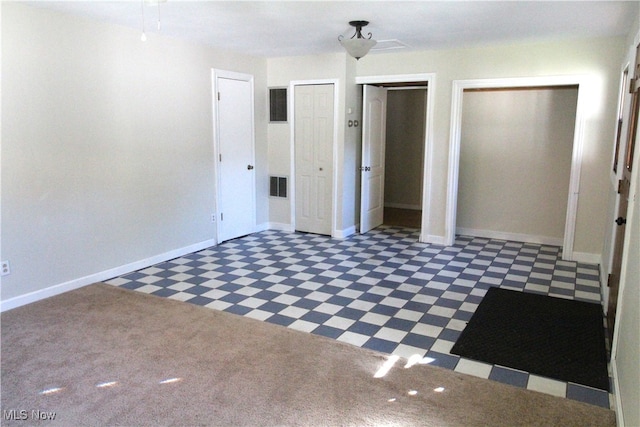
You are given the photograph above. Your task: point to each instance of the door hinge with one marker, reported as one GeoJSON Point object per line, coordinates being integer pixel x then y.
{"type": "Point", "coordinates": [218, 96]}
{"type": "Point", "coordinates": [632, 84]}
{"type": "Point", "coordinates": [221, 216]}
{"type": "Point", "coordinates": [609, 281]}
{"type": "Point", "coordinates": [620, 186]}
{"type": "Point", "coordinates": [220, 157]}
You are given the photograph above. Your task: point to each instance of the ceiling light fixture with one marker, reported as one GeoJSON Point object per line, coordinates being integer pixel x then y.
{"type": "Point", "coordinates": [357, 46]}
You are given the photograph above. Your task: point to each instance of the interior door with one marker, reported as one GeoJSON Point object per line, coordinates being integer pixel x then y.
{"type": "Point", "coordinates": [314, 128]}
{"type": "Point", "coordinates": [236, 180]}
{"type": "Point", "coordinates": [623, 203]}
{"type": "Point", "coordinates": [374, 118]}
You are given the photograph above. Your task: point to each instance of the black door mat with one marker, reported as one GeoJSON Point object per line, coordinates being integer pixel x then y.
{"type": "Point", "coordinates": [553, 337]}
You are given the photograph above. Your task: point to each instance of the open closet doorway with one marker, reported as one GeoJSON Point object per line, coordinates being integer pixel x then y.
{"type": "Point", "coordinates": [515, 163]}
{"type": "Point", "coordinates": [574, 158]}
{"type": "Point", "coordinates": [396, 147]}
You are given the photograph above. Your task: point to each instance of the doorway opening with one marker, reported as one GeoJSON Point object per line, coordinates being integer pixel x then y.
{"type": "Point", "coordinates": [404, 156]}
{"type": "Point", "coordinates": [515, 161]}
{"type": "Point", "coordinates": [405, 121]}
{"type": "Point", "coordinates": [459, 87]}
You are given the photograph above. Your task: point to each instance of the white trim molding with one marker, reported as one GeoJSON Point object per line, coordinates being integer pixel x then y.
{"type": "Point", "coordinates": [432, 239]}
{"type": "Point", "coordinates": [101, 276]}
{"type": "Point", "coordinates": [262, 227]}
{"type": "Point", "coordinates": [588, 258]}
{"type": "Point", "coordinates": [280, 226]}
{"type": "Point", "coordinates": [516, 237]}
{"type": "Point", "coordinates": [583, 83]}
{"type": "Point", "coordinates": [344, 233]}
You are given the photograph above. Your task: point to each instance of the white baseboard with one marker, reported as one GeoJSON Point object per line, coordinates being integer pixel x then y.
{"type": "Point", "coordinates": [262, 227]}
{"type": "Point", "coordinates": [346, 232]}
{"type": "Point", "coordinates": [517, 237]}
{"type": "Point", "coordinates": [433, 240]}
{"type": "Point", "coordinates": [100, 276]}
{"type": "Point", "coordinates": [280, 226]}
{"type": "Point", "coordinates": [403, 206]}
{"type": "Point", "coordinates": [587, 258]}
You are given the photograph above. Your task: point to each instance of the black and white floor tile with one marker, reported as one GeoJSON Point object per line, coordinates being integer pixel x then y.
{"type": "Point", "coordinates": [383, 290]}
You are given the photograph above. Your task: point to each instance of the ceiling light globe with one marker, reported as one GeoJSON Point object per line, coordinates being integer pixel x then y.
{"type": "Point", "coordinates": [357, 47]}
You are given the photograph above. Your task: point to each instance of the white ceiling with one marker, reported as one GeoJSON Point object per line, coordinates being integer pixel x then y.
{"type": "Point", "coordinates": [289, 28]}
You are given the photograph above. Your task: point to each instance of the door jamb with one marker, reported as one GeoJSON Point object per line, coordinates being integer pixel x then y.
{"type": "Point", "coordinates": [215, 74]}
{"type": "Point", "coordinates": [430, 78]}
{"type": "Point", "coordinates": [584, 87]}
{"type": "Point", "coordinates": [334, 186]}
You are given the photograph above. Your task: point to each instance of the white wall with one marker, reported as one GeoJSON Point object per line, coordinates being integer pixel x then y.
{"type": "Point", "coordinates": [282, 71]}
{"type": "Point", "coordinates": [598, 58]}
{"type": "Point", "coordinates": [107, 147]}
{"type": "Point", "coordinates": [352, 150]}
{"type": "Point", "coordinates": [515, 162]}
{"type": "Point", "coordinates": [404, 152]}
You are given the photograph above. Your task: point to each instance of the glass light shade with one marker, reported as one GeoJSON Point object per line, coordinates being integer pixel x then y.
{"type": "Point", "coordinates": [357, 47]}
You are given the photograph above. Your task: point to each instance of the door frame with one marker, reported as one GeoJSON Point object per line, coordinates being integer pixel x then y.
{"type": "Point", "coordinates": [459, 86]}
{"type": "Point", "coordinates": [334, 187]}
{"type": "Point", "coordinates": [215, 75]}
{"type": "Point", "coordinates": [427, 170]}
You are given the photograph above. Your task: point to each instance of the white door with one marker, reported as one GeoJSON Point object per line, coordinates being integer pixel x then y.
{"type": "Point", "coordinates": [235, 151]}
{"type": "Point", "coordinates": [374, 118]}
{"type": "Point", "coordinates": [313, 111]}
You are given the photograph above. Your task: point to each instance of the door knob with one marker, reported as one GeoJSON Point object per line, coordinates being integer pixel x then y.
{"type": "Point", "coordinates": [621, 220]}
{"type": "Point", "coordinates": [249, 167]}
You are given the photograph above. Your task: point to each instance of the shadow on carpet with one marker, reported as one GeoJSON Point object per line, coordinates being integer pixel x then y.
{"type": "Point", "coordinates": [553, 337]}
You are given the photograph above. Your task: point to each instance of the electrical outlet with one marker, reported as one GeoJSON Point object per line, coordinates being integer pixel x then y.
{"type": "Point", "coordinates": [213, 217]}
{"type": "Point", "coordinates": [5, 268]}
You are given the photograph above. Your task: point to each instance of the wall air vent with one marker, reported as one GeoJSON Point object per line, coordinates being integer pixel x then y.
{"type": "Point", "coordinates": [278, 186]}
{"type": "Point", "coordinates": [277, 105]}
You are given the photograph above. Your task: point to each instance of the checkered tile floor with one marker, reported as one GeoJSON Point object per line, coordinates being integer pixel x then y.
{"type": "Point", "coordinates": [383, 290]}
